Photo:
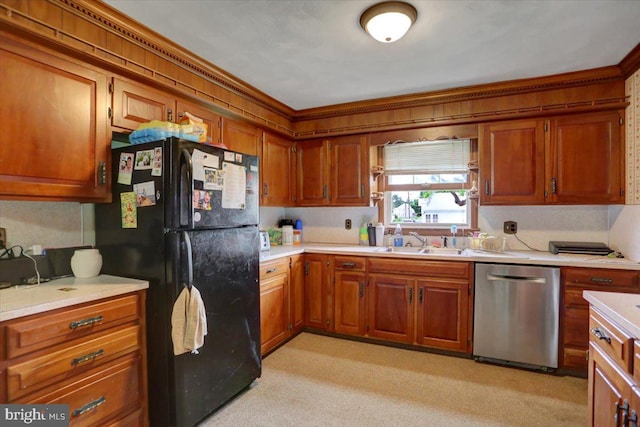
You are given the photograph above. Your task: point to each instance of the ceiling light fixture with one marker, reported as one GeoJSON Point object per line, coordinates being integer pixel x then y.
{"type": "Point", "coordinates": [388, 21]}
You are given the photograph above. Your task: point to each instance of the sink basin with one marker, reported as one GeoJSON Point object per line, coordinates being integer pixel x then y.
{"type": "Point", "coordinates": [421, 251]}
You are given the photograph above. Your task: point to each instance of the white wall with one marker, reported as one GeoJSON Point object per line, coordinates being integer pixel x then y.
{"type": "Point", "coordinates": [624, 232]}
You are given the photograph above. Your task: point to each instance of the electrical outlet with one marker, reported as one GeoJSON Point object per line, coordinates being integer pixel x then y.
{"type": "Point", "coordinates": [3, 238]}
{"type": "Point", "coordinates": [347, 224]}
{"type": "Point", "coordinates": [510, 227]}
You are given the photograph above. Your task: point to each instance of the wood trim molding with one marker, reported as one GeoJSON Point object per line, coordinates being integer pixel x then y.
{"type": "Point", "coordinates": [136, 32]}
{"type": "Point", "coordinates": [630, 63]}
{"type": "Point", "coordinates": [513, 87]}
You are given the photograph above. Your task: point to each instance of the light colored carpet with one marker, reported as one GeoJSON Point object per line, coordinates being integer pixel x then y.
{"type": "Point", "coordinates": [321, 381]}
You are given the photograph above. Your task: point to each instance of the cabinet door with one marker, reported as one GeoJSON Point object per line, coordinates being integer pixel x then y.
{"type": "Point", "coordinates": [391, 307]}
{"type": "Point", "coordinates": [134, 104]}
{"type": "Point", "coordinates": [313, 173]}
{"type": "Point", "coordinates": [211, 119]}
{"type": "Point", "coordinates": [586, 159]}
{"type": "Point", "coordinates": [512, 162]}
{"type": "Point", "coordinates": [608, 390]}
{"type": "Point", "coordinates": [316, 291]}
{"type": "Point", "coordinates": [240, 137]}
{"type": "Point", "coordinates": [349, 302]}
{"type": "Point", "coordinates": [443, 314]}
{"type": "Point", "coordinates": [278, 171]}
{"type": "Point", "coordinates": [296, 293]}
{"type": "Point", "coordinates": [54, 143]}
{"type": "Point", "coordinates": [274, 315]}
{"type": "Point", "coordinates": [349, 171]}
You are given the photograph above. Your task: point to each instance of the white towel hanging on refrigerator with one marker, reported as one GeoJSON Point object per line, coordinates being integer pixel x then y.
{"type": "Point", "coordinates": [188, 322]}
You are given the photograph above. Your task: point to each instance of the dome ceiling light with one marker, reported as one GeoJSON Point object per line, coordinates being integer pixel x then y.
{"type": "Point", "coordinates": [388, 21]}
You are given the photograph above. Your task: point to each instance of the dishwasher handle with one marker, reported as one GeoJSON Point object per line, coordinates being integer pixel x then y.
{"type": "Point", "coordinates": [511, 278]}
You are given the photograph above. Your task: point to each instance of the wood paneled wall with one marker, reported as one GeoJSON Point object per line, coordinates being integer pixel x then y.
{"type": "Point", "coordinates": [95, 33]}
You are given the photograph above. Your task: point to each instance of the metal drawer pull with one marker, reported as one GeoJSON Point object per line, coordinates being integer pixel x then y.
{"type": "Point", "coordinates": [601, 280]}
{"type": "Point", "coordinates": [87, 357]}
{"type": "Point", "coordinates": [85, 322]}
{"type": "Point", "coordinates": [601, 335]}
{"type": "Point", "coordinates": [89, 406]}
{"type": "Point", "coordinates": [349, 264]}
{"type": "Point", "coordinates": [272, 270]}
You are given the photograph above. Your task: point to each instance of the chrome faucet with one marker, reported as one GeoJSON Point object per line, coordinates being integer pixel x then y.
{"type": "Point", "coordinates": [424, 240]}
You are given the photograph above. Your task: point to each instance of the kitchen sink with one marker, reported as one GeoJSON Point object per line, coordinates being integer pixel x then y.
{"type": "Point", "coordinates": [421, 251]}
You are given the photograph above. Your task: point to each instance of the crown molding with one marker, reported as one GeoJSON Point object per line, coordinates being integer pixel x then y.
{"type": "Point", "coordinates": [630, 63]}
{"type": "Point", "coordinates": [467, 93]}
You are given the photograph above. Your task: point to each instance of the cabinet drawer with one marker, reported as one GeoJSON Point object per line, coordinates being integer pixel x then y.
{"type": "Point", "coordinates": [274, 268]}
{"type": "Point", "coordinates": [576, 327]}
{"type": "Point", "coordinates": [109, 393]}
{"type": "Point", "coordinates": [40, 331]}
{"type": "Point", "coordinates": [350, 263]}
{"type": "Point", "coordinates": [450, 269]}
{"type": "Point", "coordinates": [28, 376]}
{"type": "Point", "coordinates": [601, 277]}
{"type": "Point", "coordinates": [611, 339]}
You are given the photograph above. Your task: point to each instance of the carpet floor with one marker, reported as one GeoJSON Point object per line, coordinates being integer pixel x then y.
{"type": "Point", "coordinates": [315, 380]}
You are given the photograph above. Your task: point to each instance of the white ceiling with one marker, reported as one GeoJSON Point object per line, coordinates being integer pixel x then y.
{"type": "Point", "coordinates": [312, 53]}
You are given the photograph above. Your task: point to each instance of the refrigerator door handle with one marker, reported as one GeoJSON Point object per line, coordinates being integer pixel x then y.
{"type": "Point", "coordinates": [187, 242]}
{"type": "Point", "coordinates": [185, 189]}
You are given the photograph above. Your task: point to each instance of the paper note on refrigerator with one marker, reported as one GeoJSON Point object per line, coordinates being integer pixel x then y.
{"type": "Point", "coordinates": [234, 191]}
{"type": "Point", "coordinates": [202, 160]}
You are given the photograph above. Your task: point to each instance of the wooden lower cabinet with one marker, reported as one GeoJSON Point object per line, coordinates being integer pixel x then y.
{"type": "Point", "coordinates": [274, 297]}
{"type": "Point", "coordinates": [391, 307]}
{"type": "Point", "coordinates": [318, 292]}
{"type": "Point", "coordinates": [443, 309]}
{"type": "Point", "coordinates": [90, 356]}
{"type": "Point", "coordinates": [281, 301]}
{"type": "Point", "coordinates": [614, 393]}
{"type": "Point", "coordinates": [575, 309]}
{"type": "Point", "coordinates": [349, 295]}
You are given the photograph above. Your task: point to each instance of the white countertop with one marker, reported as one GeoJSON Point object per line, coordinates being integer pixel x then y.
{"type": "Point", "coordinates": [24, 300]}
{"type": "Point", "coordinates": [623, 309]}
{"type": "Point", "coordinates": [508, 257]}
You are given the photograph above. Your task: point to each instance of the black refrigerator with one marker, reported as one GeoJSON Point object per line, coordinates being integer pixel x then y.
{"type": "Point", "coordinates": [186, 214]}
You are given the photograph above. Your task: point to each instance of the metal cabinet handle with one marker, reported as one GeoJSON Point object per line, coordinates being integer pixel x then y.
{"type": "Point", "coordinates": [486, 187]}
{"type": "Point", "coordinates": [272, 270]}
{"type": "Point", "coordinates": [601, 335]}
{"type": "Point", "coordinates": [87, 357]}
{"type": "Point", "coordinates": [361, 289]}
{"type": "Point", "coordinates": [410, 295]}
{"type": "Point", "coordinates": [349, 265]}
{"type": "Point", "coordinates": [601, 280]}
{"type": "Point", "coordinates": [554, 185]}
{"type": "Point", "coordinates": [266, 189]}
{"type": "Point", "coordinates": [85, 322]}
{"type": "Point", "coordinates": [420, 295]}
{"type": "Point", "coordinates": [632, 421]}
{"type": "Point", "coordinates": [89, 406]}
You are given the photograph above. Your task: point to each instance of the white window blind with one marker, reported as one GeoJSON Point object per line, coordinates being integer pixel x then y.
{"type": "Point", "coordinates": [428, 157]}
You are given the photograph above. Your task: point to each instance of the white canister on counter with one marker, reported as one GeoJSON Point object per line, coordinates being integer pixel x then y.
{"type": "Point", "coordinates": [380, 234]}
{"type": "Point", "coordinates": [287, 235]}
{"type": "Point", "coordinates": [86, 263]}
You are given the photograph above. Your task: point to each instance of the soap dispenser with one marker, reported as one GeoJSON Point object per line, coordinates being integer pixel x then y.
{"type": "Point", "coordinates": [397, 237]}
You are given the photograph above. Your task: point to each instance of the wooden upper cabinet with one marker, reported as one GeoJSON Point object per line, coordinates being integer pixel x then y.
{"type": "Point", "coordinates": [334, 172]}
{"type": "Point", "coordinates": [349, 171]}
{"type": "Point", "coordinates": [313, 173]}
{"type": "Point", "coordinates": [512, 161]}
{"type": "Point", "coordinates": [278, 171]}
{"type": "Point", "coordinates": [134, 104]}
{"type": "Point", "coordinates": [586, 159]}
{"type": "Point", "coordinates": [210, 118]}
{"type": "Point", "coordinates": [55, 141]}
{"type": "Point", "coordinates": [572, 159]}
{"type": "Point", "coordinates": [241, 137]}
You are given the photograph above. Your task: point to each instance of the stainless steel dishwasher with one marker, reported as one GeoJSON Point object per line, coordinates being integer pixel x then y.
{"type": "Point", "coordinates": [516, 315]}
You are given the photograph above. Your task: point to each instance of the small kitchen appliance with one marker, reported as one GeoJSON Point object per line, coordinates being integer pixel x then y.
{"type": "Point", "coordinates": [585, 248]}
